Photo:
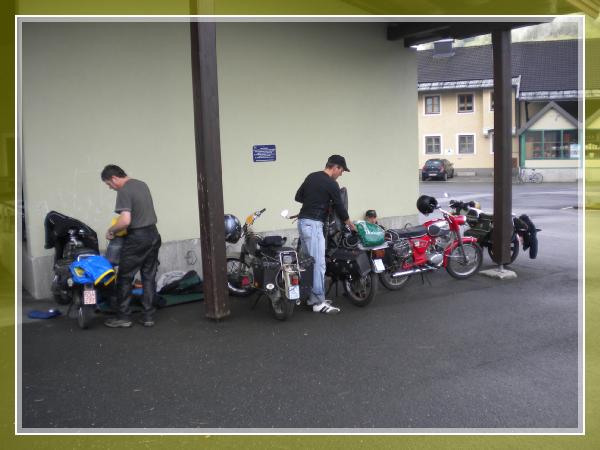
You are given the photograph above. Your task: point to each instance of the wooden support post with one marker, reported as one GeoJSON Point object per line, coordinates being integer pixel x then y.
{"type": "Point", "coordinates": [503, 228]}
{"type": "Point", "coordinates": [208, 168]}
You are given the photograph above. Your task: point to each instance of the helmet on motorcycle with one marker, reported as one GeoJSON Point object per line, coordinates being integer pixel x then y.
{"type": "Point", "coordinates": [426, 204]}
{"type": "Point", "coordinates": [233, 229]}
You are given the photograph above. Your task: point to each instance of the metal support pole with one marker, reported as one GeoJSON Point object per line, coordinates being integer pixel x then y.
{"type": "Point", "coordinates": [503, 228]}
{"type": "Point", "coordinates": [208, 168]}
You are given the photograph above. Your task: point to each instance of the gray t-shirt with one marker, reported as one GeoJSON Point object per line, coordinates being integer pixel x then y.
{"type": "Point", "coordinates": [135, 197]}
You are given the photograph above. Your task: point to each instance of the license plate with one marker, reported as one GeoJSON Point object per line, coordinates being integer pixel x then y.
{"type": "Point", "coordinates": [432, 174]}
{"type": "Point", "coordinates": [294, 292]}
{"type": "Point", "coordinates": [89, 297]}
{"type": "Point", "coordinates": [379, 267]}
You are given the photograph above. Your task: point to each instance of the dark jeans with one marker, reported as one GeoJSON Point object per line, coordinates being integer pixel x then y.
{"type": "Point", "coordinates": [139, 252]}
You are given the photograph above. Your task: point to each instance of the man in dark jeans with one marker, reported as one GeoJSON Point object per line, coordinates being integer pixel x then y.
{"type": "Point", "coordinates": [140, 247]}
{"type": "Point", "coordinates": [318, 191]}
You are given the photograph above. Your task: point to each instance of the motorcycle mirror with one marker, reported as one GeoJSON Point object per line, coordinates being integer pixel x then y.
{"type": "Point", "coordinates": [285, 213]}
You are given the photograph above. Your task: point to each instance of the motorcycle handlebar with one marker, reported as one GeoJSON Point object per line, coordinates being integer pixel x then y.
{"type": "Point", "coordinates": [456, 204]}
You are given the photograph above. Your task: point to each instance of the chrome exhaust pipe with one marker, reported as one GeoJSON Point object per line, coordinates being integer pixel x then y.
{"type": "Point", "coordinates": [413, 271]}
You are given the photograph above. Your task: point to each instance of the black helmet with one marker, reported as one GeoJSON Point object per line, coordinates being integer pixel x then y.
{"type": "Point", "coordinates": [426, 204]}
{"type": "Point", "coordinates": [233, 229]}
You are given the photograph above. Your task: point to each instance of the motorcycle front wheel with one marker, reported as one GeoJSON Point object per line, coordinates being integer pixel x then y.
{"type": "Point", "coordinates": [236, 269]}
{"type": "Point", "coordinates": [84, 312]}
{"type": "Point", "coordinates": [514, 249]}
{"type": "Point", "coordinates": [361, 291]}
{"type": "Point", "coordinates": [390, 282]}
{"type": "Point", "coordinates": [457, 266]}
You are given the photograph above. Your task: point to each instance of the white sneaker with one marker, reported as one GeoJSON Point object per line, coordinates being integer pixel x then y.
{"type": "Point", "coordinates": [325, 308]}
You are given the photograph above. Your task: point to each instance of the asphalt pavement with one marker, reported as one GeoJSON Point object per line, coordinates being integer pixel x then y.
{"type": "Point", "coordinates": [438, 355]}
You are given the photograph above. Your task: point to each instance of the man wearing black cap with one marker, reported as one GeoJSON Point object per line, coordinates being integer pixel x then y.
{"type": "Point", "coordinates": [317, 192]}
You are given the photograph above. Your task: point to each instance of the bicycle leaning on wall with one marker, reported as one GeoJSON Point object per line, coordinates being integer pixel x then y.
{"type": "Point", "coordinates": [529, 176]}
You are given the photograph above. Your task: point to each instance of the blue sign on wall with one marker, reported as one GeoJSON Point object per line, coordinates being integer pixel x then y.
{"type": "Point", "coordinates": [263, 153]}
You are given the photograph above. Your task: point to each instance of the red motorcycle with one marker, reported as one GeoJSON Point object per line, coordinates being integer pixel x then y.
{"type": "Point", "coordinates": [435, 244]}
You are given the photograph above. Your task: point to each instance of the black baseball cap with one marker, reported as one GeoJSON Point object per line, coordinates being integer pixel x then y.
{"type": "Point", "coordinates": [371, 213]}
{"type": "Point", "coordinates": [338, 160]}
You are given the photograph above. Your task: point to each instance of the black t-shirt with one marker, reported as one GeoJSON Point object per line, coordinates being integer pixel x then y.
{"type": "Point", "coordinates": [315, 193]}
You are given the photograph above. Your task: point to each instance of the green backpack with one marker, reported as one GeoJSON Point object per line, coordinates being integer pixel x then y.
{"type": "Point", "coordinates": [370, 234]}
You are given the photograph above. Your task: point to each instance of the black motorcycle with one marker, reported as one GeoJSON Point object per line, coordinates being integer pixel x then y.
{"type": "Point", "coordinates": [481, 225]}
{"type": "Point", "coordinates": [72, 240]}
{"type": "Point", "coordinates": [348, 261]}
{"type": "Point", "coordinates": [351, 264]}
{"type": "Point", "coordinates": [267, 266]}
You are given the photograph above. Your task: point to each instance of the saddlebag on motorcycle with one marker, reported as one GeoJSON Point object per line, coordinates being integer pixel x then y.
{"type": "Point", "coordinates": [342, 262]}
{"type": "Point", "coordinates": [307, 263]}
{"type": "Point", "coordinates": [371, 235]}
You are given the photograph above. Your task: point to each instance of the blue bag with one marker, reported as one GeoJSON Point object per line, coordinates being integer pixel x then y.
{"type": "Point", "coordinates": [95, 269]}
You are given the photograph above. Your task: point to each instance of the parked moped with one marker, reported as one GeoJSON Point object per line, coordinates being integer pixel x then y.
{"type": "Point", "coordinates": [436, 244]}
{"type": "Point", "coordinates": [75, 242]}
{"type": "Point", "coordinates": [348, 260]}
{"type": "Point", "coordinates": [481, 226]}
{"type": "Point", "coordinates": [267, 266]}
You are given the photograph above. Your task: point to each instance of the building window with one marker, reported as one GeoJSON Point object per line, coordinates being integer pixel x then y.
{"type": "Point", "coordinates": [492, 101]}
{"type": "Point", "coordinates": [551, 144]}
{"type": "Point", "coordinates": [433, 145]}
{"type": "Point", "coordinates": [465, 103]}
{"type": "Point", "coordinates": [432, 104]}
{"type": "Point", "coordinates": [466, 144]}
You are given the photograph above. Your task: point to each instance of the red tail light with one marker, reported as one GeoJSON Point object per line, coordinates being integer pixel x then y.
{"type": "Point", "coordinates": [378, 253]}
{"type": "Point", "coordinates": [295, 280]}
{"type": "Point", "coordinates": [245, 281]}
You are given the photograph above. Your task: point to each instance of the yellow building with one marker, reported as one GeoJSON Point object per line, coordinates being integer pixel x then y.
{"type": "Point", "coordinates": [456, 107]}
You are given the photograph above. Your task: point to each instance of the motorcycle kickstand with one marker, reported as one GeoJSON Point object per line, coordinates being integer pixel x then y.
{"type": "Point", "coordinates": [425, 277]}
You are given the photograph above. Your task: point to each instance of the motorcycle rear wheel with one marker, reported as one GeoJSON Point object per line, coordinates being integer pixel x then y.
{"type": "Point", "coordinates": [235, 268]}
{"type": "Point", "coordinates": [84, 312]}
{"type": "Point", "coordinates": [390, 282]}
{"type": "Point", "coordinates": [459, 269]}
{"type": "Point", "coordinates": [514, 249]}
{"type": "Point", "coordinates": [281, 307]}
{"type": "Point", "coordinates": [361, 291]}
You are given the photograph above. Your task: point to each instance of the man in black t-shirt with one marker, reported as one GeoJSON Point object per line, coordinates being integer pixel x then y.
{"type": "Point", "coordinates": [318, 191]}
{"type": "Point", "coordinates": [140, 248]}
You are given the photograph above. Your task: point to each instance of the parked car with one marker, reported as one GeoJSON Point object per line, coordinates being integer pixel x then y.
{"type": "Point", "coordinates": [437, 168]}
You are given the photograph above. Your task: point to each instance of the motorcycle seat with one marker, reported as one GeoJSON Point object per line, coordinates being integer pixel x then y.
{"type": "Point", "coordinates": [272, 241]}
{"type": "Point", "coordinates": [404, 233]}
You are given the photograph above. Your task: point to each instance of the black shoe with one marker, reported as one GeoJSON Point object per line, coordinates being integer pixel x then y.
{"type": "Point", "coordinates": [118, 323]}
{"type": "Point", "coordinates": [147, 322]}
